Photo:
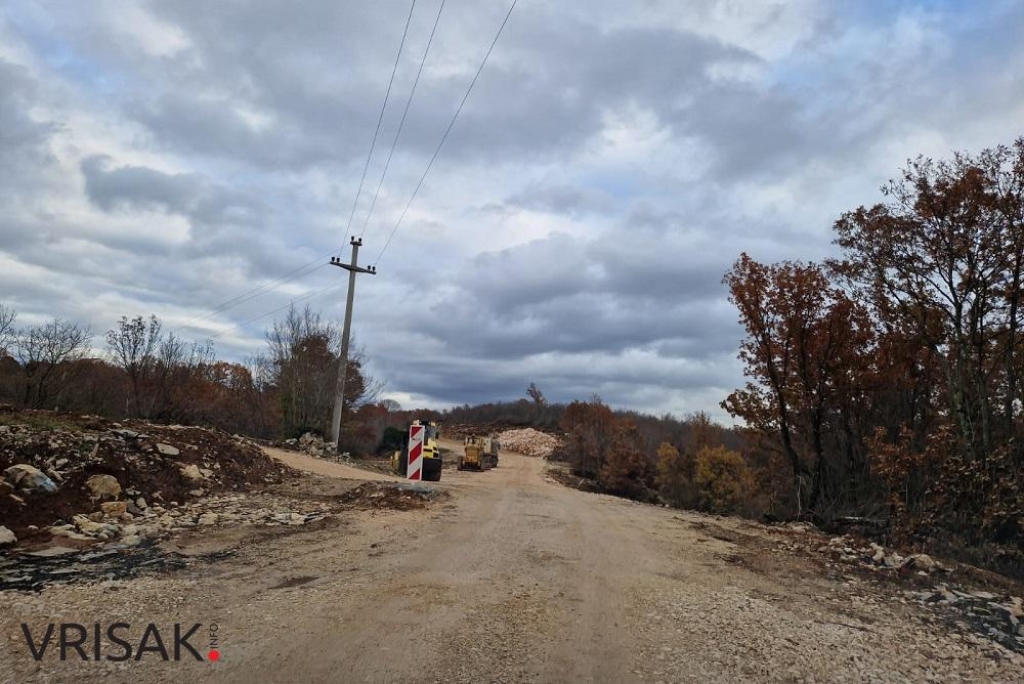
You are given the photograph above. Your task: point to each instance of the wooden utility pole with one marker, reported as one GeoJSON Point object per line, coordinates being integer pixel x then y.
{"type": "Point", "coordinates": [339, 395]}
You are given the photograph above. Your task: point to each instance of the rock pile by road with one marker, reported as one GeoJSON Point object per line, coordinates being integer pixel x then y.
{"type": "Point", "coordinates": [401, 496]}
{"type": "Point", "coordinates": [996, 615]}
{"type": "Point", "coordinates": [312, 444]}
{"type": "Point", "coordinates": [89, 480]}
{"type": "Point", "coordinates": [528, 441]}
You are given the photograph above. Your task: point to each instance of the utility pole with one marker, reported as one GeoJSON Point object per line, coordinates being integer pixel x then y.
{"type": "Point", "coordinates": [339, 395]}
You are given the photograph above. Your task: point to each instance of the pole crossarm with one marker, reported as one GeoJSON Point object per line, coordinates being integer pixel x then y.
{"type": "Point", "coordinates": [336, 261]}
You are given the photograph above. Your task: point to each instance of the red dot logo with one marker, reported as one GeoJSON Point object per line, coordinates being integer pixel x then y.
{"type": "Point", "coordinates": [213, 655]}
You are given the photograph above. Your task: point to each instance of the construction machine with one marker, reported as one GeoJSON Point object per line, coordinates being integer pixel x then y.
{"type": "Point", "coordinates": [479, 453]}
{"type": "Point", "coordinates": [432, 462]}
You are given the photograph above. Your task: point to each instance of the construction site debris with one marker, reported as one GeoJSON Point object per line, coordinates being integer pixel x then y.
{"type": "Point", "coordinates": [529, 442]}
{"type": "Point", "coordinates": [998, 616]}
{"type": "Point", "coordinates": [393, 495]}
{"type": "Point", "coordinates": [90, 480]}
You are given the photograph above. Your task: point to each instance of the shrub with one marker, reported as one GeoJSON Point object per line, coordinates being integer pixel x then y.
{"type": "Point", "coordinates": [675, 477]}
{"type": "Point", "coordinates": [723, 480]}
{"type": "Point", "coordinates": [626, 470]}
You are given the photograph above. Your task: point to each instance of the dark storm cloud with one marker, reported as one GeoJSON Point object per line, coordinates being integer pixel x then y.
{"type": "Point", "coordinates": [190, 195]}
{"type": "Point", "coordinates": [607, 294]}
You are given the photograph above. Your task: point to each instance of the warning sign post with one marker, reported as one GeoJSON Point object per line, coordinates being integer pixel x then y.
{"type": "Point", "coordinates": [415, 468]}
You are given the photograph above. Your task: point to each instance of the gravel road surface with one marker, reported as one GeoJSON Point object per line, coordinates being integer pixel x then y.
{"type": "Point", "coordinates": [514, 578]}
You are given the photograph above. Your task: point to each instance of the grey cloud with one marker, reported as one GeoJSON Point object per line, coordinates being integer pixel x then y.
{"type": "Point", "coordinates": [605, 294]}
{"type": "Point", "coordinates": [139, 187]}
{"type": "Point", "coordinates": [570, 200]}
{"type": "Point", "coordinates": [565, 75]}
{"type": "Point", "coordinates": [190, 195]}
{"type": "Point", "coordinates": [19, 132]}
{"type": "Point", "coordinates": [25, 156]}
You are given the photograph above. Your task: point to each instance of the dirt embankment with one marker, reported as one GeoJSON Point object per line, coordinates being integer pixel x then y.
{"type": "Point", "coordinates": [56, 470]}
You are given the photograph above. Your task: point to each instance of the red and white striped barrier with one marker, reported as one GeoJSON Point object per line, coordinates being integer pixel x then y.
{"type": "Point", "coordinates": [415, 469]}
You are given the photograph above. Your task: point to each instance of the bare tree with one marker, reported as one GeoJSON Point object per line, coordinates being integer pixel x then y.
{"type": "Point", "coordinates": [42, 351]}
{"type": "Point", "coordinates": [7, 318]}
{"type": "Point", "coordinates": [134, 344]}
{"type": "Point", "coordinates": [303, 350]}
{"type": "Point", "coordinates": [178, 365]}
{"type": "Point", "coordinates": [534, 393]}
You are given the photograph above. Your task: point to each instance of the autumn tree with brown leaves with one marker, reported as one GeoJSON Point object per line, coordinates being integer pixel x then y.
{"type": "Point", "coordinates": [806, 348]}
{"type": "Point", "coordinates": [626, 470]}
{"type": "Point", "coordinates": [892, 374]}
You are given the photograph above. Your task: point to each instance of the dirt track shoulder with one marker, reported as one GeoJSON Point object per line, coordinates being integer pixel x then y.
{"type": "Point", "coordinates": [310, 464]}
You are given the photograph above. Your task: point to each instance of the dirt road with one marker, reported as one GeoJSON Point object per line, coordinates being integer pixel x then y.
{"type": "Point", "coordinates": [309, 464]}
{"type": "Point", "coordinates": [514, 579]}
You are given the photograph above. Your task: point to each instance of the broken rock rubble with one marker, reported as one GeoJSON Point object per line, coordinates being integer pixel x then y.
{"type": "Point", "coordinates": [996, 617]}
{"type": "Point", "coordinates": [314, 445]}
{"type": "Point", "coordinates": [528, 441]}
{"type": "Point", "coordinates": [876, 557]}
{"type": "Point", "coordinates": [111, 474]}
{"type": "Point", "coordinates": [118, 526]}
{"type": "Point", "coordinates": [999, 617]}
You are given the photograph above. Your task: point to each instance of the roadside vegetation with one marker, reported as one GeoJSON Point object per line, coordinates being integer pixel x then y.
{"type": "Point", "coordinates": [145, 372]}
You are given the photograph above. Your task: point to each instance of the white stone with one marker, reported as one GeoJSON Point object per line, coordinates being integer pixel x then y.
{"type": "Point", "coordinates": [167, 450]}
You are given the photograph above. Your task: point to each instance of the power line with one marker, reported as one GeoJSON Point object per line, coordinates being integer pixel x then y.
{"type": "Point", "coordinates": [401, 123]}
{"type": "Point", "coordinates": [319, 262]}
{"type": "Point", "coordinates": [273, 311]}
{"type": "Point", "coordinates": [261, 290]}
{"type": "Point", "coordinates": [446, 132]}
{"type": "Point", "coordinates": [380, 119]}
{"type": "Point", "coordinates": [231, 302]}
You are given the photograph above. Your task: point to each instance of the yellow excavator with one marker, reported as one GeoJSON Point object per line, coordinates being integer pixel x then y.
{"type": "Point", "coordinates": [432, 462]}
{"type": "Point", "coordinates": [479, 453]}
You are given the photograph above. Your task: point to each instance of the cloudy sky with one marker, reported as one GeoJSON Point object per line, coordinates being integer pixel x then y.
{"type": "Point", "coordinates": [613, 160]}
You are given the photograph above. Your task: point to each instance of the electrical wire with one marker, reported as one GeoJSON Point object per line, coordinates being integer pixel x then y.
{"type": "Point", "coordinates": [446, 132]}
{"type": "Point", "coordinates": [380, 120]}
{"type": "Point", "coordinates": [273, 311]}
{"type": "Point", "coordinates": [296, 273]}
{"type": "Point", "coordinates": [261, 290]}
{"type": "Point", "coordinates": [401, 123]}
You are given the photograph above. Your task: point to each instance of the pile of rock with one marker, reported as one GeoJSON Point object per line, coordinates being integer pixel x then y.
{"type": "Point", "coordinates": [1000, 617]}
{"type": "Point", "coordinates": [128, 523]}
{"type": "Point", "coordinates": [877, 557]}
{"type": "Point", "coordinates": [91, 478]}
{"type": "Point", "coordinates": [528, 441]}
{"type": "Point", "coordinates": [314, 445]}
{"type": "Point", "coordinates": [402, 496]}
